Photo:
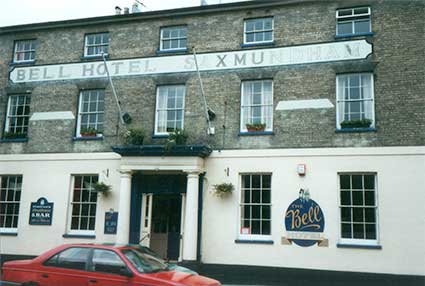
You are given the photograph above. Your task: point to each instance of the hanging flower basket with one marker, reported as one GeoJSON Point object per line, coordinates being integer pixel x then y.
{"type": "Point", "coordinates": [102, 188]}
{"type": "Point", "coordinates": [223, 189]}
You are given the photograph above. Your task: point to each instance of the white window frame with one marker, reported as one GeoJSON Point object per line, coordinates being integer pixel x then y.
{"type": "Point", "coordinates": [8, 115]}
{"type": "Point", "coordinates": [12, 229]}
{"type": "Point", "coordinates": [243, 128]}
{"type": "Point", "coordinates": [372, 99]}
{"type": "Point", "coordinates": [352, 18]}
{"type": "Point", "coordinates": [87, 46]}
{"type": "Point", "coordinates": [358, 241]}
{"type": "Point", "coordinates": [31, 50]}
{"type": "Point", "coordinates": [259, 31]}
{"type": "Point", "coordinates": [80, 112]}
{"type": "Point", "coordinates": [161, 46]}
{"type": "Point", "coordinates": [70, 207]}
{"type": "Point", "coordinates": [254, 237]}
{"type": "Point", "coordinates": [157, 111]}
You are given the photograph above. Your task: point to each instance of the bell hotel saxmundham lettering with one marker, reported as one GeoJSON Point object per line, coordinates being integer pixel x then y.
{"type": "Point", "coordinates": [335, 87]}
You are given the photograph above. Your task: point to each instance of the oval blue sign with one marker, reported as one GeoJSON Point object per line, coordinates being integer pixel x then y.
{"type": "Point", "coordinates": [304, 220]}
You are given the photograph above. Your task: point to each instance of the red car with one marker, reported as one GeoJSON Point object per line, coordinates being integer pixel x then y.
{"type": "Point", "coordinates": [98, 265]}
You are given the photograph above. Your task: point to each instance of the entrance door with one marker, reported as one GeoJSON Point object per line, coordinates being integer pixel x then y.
{"type": "Point", "coordinates": [146, 219]}
{"type": "Point", "coordinates": [166, 225]}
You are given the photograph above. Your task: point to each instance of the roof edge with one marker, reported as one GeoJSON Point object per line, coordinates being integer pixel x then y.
{"type": "Point", "coordinates": [186, 11]}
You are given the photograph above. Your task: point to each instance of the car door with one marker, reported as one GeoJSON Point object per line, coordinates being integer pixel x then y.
{"type": "Point", "coordinates": [107, 269]}
{"type": "Point", "coordinates": [67, 268]}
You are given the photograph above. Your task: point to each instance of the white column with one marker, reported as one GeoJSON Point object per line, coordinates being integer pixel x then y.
{"type": "Point", "coordinates": [123, 228]}
{"type": "Point", "coordinates": [190, 235]}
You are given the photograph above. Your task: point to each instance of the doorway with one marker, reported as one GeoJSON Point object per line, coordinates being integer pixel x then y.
{"type": "Point", "coordinates": [166, 225]}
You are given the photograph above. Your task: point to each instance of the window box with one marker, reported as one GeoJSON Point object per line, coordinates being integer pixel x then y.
{"type": "Point", "coordinates": [256, 127]}
{"type": "Point", "coordinates": [12, 135]}
{"type": "Point", "coordinates": [359, 123]}
{"type": "Point", "coordinates": [89, 132]}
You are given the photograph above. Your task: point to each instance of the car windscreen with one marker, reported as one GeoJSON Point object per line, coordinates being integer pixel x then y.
{"type": "Point", "coordinates": [144, 263]}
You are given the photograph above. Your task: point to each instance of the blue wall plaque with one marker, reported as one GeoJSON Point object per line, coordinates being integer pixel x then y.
{"type": "Point", "coordinates": [41, 212]}
{"type": "Point", "coordinates": [111, 222]}
{"type": "Point", "coordinates": [304, 220]}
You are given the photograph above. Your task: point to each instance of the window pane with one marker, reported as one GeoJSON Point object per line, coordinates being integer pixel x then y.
{"type": "Point", "coordinates": [371, 231]}
{"type": "Point", "coordinates": [74, 258]}
{"type": "Point", "coordinates": [358, 215]}
{"type": "Point", "coordinates": [346, 230]}
{"type": "Point", "coordinates": [357, 181]}
{"type": "Point", "coordinates": [369, 198]}
{"type": "Point", "coordinates": [345, 182]}
{"type": "Point", "coordinates": [266, 227]}
{"type": "Point", "coordinates": [255, 227]}
{"type": "Point", "coordinates": [344, 28]}
{"type": "Point", "coordinates": [346, 214]}
{"type": "Point", "coordinates": [357, 198]}
{"type": "Point", "coordinates": [256, 181]}
{"type": "Point", "coordinates": [107, 262]}
{"type": "Point", "coordinates": [369, 182]}
{"type": "Point", "coordinates": [358, 230]}
{"type": "Point", "coordinates": [345, 198]}
{"type": "Point", "coordinates": [370, 215]}
{"type": "Point", "coordinates": [362, 26]}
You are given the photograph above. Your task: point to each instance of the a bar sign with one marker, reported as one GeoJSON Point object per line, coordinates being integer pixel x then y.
{"type": "Point", "coordinates": [41, 212]}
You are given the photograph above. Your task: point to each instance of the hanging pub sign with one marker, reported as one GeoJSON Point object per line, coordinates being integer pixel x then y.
{"type": "Point", "coordinates": [111, 222]}
{"type": "Point", "coordinates": [304, 222]}
{"type": "Point", "coordinates": [41, 212]}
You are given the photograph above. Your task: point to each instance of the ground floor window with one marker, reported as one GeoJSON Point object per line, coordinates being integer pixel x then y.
{"type": "Point", "coordinates": [10, 197]}
{"type": "Point", "coordinates": [255, 206]}
{"type": "Point", "coordinates": [83, 204]}
{"type": "Point", "coordinates": [358, 207]}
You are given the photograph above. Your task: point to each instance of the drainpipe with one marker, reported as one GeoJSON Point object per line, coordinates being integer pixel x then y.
{"type": "Point", "coordinates": [200, 207]}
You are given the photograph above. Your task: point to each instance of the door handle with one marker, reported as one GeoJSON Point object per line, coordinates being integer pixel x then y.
{"type": "Point", "coordinates": [93, 281]}
{"type": "Point", "coordinates": [44, 275]}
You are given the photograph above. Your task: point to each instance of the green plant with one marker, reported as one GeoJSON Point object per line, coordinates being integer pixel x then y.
{"type": "Point", "coordinates": [103, 188]}
{"type": "Point", "coordinates": [255, 127]}
{"type": "Point", "coordinates": [89, 131]}
{"type": "Point", "coordinates": [177, 137]}
{"type": "Point", "coordinates": [134, 136]}
{"type": "Point", "coordinates": [15, 135]}
{"type": "Point", "coordinates": [223, 189]}
{"type": "Point", "coordinates": [359, 123]}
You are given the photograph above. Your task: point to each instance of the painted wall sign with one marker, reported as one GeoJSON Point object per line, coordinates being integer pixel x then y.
{"type": "Point", "coordinates": [304, 54]}
{"type": "Point", "coordinates": [111, 222]}
{"type": "Point", "coordinates": [304, 222]}
{"type": "Point", "coordinates": [41, 212]}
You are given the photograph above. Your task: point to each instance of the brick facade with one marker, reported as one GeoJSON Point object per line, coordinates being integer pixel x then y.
{"type": "Point", "coordinates": [397, 63]}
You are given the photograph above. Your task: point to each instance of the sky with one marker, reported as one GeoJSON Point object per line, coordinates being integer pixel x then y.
{"type": "Point", "coordinates": [17, 12]}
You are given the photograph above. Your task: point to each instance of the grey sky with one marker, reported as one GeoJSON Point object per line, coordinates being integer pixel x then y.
{"type": "Point", "coordinates": [16, 12]}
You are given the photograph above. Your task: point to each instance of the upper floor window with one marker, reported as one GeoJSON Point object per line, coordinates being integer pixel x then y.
{"type": "Point", "coordinates": [10, 197]}
{"type": "Point", "coordinates": [83, 204]}
{"type": "Point", "coordinates": [96, 44]}
{"type": "Point", "coordinates": [173, 38]}
{"type": "Point", "coordinates": [169, 108]}
{"type": "Point", "coordinates": [353, 21]}
{"type": "Point", "coordinates": [17, 116]}
{"type": "Point", "coordinates": [258, 30]}
{"type": "Point", "coordinates": [91, 113]}
{"type": "Point", "coordinates": [358, 208]}
{"type": "Point", "coordinates": [24, 51]}
{"type": "Point", "coordinates": [257, 105]}
{"type": "Point", "coordinates": [255, 205]}
{"type": "Point", "coordinates": [355, 107]}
